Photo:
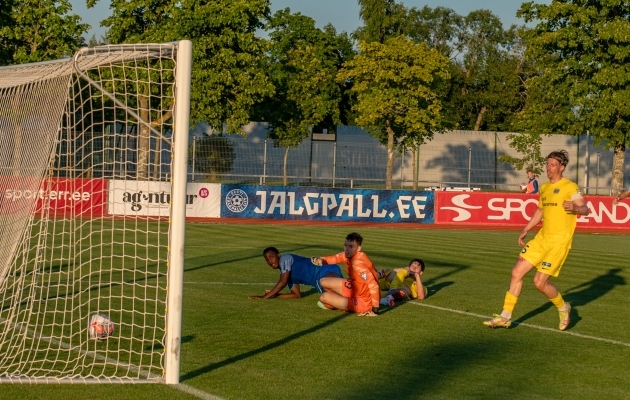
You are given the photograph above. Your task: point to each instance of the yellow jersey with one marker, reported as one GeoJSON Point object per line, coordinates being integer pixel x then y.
{"type": "Point", "coordinates": [558, 224]}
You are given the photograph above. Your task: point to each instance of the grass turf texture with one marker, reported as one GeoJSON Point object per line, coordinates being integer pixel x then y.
{"type": "Point", "coordinates": [237, 348]}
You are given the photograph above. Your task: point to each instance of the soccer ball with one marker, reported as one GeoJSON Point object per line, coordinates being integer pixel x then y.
{"type": "Point", "coordinates": [523, 186]}
{"type": "Point", "coordinates": [100, 326]}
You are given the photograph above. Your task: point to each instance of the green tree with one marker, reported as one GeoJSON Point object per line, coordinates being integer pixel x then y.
{"type": "Point", "coordinates": [227, 74]}
{"type": "Point", "coordinates": [582, 51]}
{"type": "Point", "coordinates": [302, 63]}
{"type": "Point", "coordinates": [438, 27]}
{"type": "Point", "coordinates": [486, 67]}
{"type": "Point", "coordinates": [395, 87]}
{"type": "Point", "coordinates": [38, 30]}
{"type": "Point", "coordinates": [382, 19]}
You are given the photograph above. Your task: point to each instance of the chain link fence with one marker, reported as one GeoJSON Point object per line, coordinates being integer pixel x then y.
{"type": "Point", "coordinates": [352, 158]}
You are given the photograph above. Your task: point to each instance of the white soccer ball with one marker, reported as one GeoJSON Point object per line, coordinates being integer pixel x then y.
{"type": "Point", "coordinates": [100, 326]}
{"type": "Point", "coordinates": [523, 186]}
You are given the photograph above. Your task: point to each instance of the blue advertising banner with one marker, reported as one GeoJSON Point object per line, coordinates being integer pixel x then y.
{"type": "Point", "coordinates": [326, 204]}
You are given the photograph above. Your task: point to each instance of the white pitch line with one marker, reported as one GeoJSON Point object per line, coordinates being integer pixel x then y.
{"type": "Point", "coordinates": [542, 328]}
{"type": "Point", "coordinates": [196, 392]}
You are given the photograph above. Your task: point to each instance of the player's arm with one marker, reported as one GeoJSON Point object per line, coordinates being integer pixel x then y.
{"type": "Point", "coordinates": [621, 196]}
{"type": "Point", "coordinates": [576, 205]}
{"type": "Point", "coordinates": [536, 218]}
{"type": "Point", "coordinates": [375, 290]}
{"type": "Point", "coordinates": [336, 259]}
{"type": "Point", "coordinates": [421, 295]}
{"type": "Point", "coordinates": [294, 294]}
{"type": "Point", "coordinates": [282, 282]}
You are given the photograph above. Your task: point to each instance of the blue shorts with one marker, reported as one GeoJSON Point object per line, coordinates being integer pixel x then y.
{"type": "Point", "coordinates": [325, 270]}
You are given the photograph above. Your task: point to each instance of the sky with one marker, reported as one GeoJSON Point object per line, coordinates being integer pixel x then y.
{"type": "Point", "coordinates": [342, 14]}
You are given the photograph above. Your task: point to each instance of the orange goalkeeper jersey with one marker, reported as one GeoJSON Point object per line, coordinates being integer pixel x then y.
{"type": "Point", "coordinates": [362, 274]}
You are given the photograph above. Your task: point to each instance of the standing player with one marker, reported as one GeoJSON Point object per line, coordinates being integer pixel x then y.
{"type": "Point", "coordinates": [531, 187]}
{"type": "Point", "coordinates": [294, 271]}
{"type": "Point", "coordinates": [360, 292]}
{"type": "Point", "coordinates": [403, 283]}
{"type": "Point", "coordinates": [559, 204]}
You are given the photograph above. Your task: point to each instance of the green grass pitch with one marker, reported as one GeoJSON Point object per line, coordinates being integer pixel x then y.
{"type": "Point", "coordinates": [235, 348]}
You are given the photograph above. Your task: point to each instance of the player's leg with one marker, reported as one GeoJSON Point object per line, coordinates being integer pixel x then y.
{"type": "Point", "coordinates": [551, 267]}
{"type": "Point", "coordinates": [333, 292]}
{"type": "Point", "coordinates": [328, 273]}
{"type": "Point", "coordinates": [334, 300]}
{"type": "Point", "coordinates": [332, 284]}
{"type": "Point", "coordinates": [521, 268]}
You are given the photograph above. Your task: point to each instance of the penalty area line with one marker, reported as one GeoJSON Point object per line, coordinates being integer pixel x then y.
{"type": "Point", "coordinates": [542, 328]}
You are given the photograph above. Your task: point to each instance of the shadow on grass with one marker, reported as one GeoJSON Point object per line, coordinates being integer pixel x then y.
{"type": "Point", "coordinates": [270, 346]}
{"type": "Point", "coordinates": [423, 373]}
{"type": "Point", "coordinates": [582, 294]}
{"type": "Point", "coordinates": [434, 289]}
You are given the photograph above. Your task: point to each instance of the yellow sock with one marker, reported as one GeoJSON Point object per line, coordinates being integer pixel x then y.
{"type": "Point", "coordinates": [510, 302]}
{"type": "Point", "coordinates": [558, 301]}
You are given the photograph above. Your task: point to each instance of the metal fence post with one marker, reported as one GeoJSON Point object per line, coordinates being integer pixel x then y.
{"type": "Point", "coordinates": [334, 163]}
{"type": "Point", "coordinates": [587, 161]}
{"type": "Point", "coordinates": [264, 177]}
{"type": "Point", "coordinates": [402, 168]}
{"type": "Point", "coordinates": [597, 176]}
{"type": "Point", "coordinates": [469, 164]}
{"type": "Point", "coordinates": [194, 152]}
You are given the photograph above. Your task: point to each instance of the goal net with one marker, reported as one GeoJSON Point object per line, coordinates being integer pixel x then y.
{"type": "Point", "coordinates": [93, 154]}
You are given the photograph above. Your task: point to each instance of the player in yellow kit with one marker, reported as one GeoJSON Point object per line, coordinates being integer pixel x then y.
{"type": "Point", "coordinates": [559, 205]}
{"type": "Point", "coordinates": [402, 283]}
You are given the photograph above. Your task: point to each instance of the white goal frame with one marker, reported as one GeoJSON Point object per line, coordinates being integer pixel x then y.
{"type": "Point", "coordinates": [16, 80]}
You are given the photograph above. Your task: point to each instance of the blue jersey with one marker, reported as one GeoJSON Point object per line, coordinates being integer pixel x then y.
{"type": "Point", "coordinates": [302, 271]}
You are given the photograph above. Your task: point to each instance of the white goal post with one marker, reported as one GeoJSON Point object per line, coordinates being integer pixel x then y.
{"type": "Point", "coordinates": [93, 172]}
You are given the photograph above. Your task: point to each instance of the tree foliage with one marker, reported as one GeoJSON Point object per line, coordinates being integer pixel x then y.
{"type": "Point", "coordinates": [382, 19]}
{"type": "Point", "coordinates": [582, 52]}
{"type": "Point", "coordinates": [227, 75]}
{"type": "Point", "coordinates": [395, 87]}
{"type": "Point", "coordinates": [486, 65]}
{"type": "Point", "coordinates": [302, 63]}
{"type": "Point", "coordinates": [38, 30]}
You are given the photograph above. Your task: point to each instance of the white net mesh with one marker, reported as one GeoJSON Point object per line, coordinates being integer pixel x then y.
{"type": "Point", "coordinates": [85, 180]}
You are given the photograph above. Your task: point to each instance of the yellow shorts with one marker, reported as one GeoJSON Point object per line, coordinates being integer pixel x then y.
{"type": "Point", "coordinates": [547, 257]}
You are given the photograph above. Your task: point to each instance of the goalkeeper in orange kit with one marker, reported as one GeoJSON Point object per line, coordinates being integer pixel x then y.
{"type": "Point", "coordinates": [359, 293]}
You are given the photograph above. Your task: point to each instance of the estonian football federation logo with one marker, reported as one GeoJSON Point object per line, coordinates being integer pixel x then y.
{"type": "Point", "coordinates": [556, 191]}
{"type": "Point", "coordinates": [236, 200]}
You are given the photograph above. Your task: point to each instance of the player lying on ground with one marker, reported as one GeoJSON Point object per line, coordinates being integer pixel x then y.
{"type": "Point", "coordinates": [360, 293]}
{"type": "Point", "coordinates": [402, 283]}
{"type": "Point", "coordinates": [295, 271]}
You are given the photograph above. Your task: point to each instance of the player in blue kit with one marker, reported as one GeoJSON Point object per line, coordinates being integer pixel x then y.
{"type": "Point", "coordinates": [295, 271]}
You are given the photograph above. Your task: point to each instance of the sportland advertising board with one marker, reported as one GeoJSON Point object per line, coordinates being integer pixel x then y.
{"type": "Point", "coordinates": [326, 204]}
{"type": "Point", "coordinates": [61, 197]}
{"type": "Point", "coordinates": [516, 209]}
